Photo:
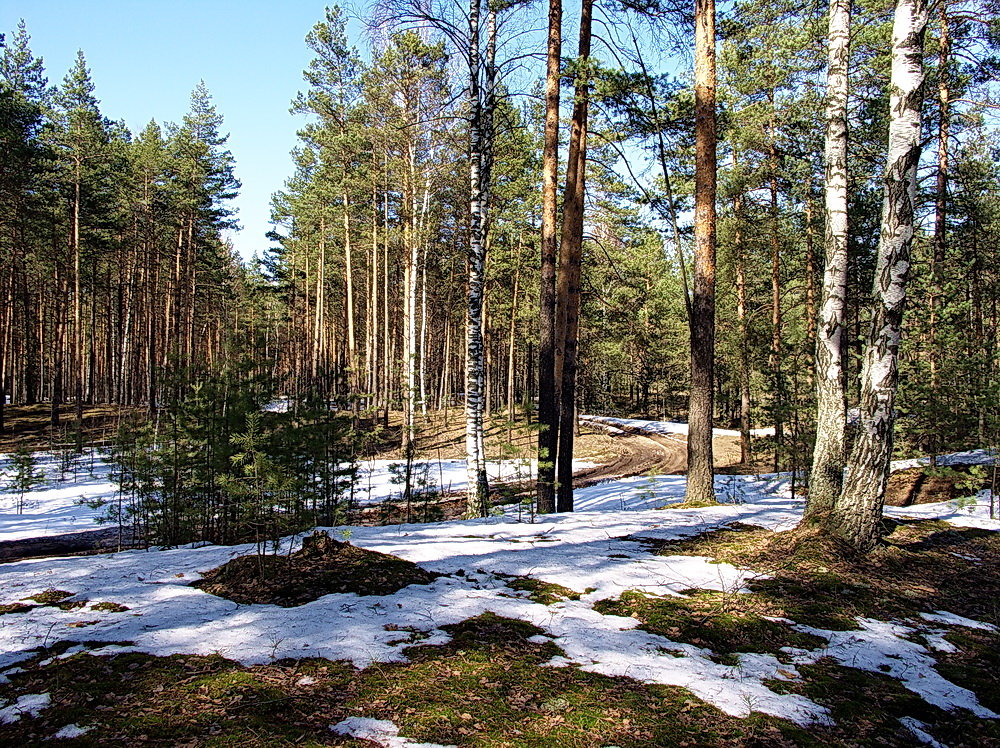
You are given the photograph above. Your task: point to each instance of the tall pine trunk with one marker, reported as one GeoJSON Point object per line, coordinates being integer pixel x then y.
{"type": "Point", "coordinates": [548, 396]}
{"type": "Point", "coordinates": [700, 478]}
{"type": "Point", "coordinates": [831, 409]}
{"type": "Point", "coordinates": [570, 256]}
{"type": "Point", "coordinates": [857, 514]}
{"type": "Point", "coordinates": [940, 214]}
{"type": "Point", "coordinates": [742, 324]}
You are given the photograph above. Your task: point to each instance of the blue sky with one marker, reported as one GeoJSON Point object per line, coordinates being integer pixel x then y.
{"type": "Point", "coordinates": [147, 55]}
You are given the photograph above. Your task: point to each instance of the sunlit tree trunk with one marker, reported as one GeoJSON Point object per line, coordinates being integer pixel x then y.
{"type": "Point", "coordinates": [352, 343]}
{"type": "Point", "coordinates": [477, 491]}
{"type": "Point", "coordinates": [858, 512]}
{"type": "Point", "coordinates": [570, 256]}
{"type": "Point", "coordinates": [739, 251]}
{"type": "Point", "coordinates": [700, 478]}
{"type": "Point", "coordinates": [831, 409]}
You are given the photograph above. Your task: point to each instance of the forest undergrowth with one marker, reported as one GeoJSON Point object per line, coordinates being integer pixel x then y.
{"type": "Point", "coordinates": [490, 684]}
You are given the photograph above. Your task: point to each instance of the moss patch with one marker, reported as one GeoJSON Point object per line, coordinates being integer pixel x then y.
{"type": "Point", "coordinates": [725, 623]}
{"type": "Point", "coordinates": [323, 566]}
{"type": "Point", "coordinates": [50, 596]}
{"type": "Point", "coordinates": [922, 566]}
{"type": "Point", "coordinates": [131, 699]}
{"type": "Point", "coordinates": [976, 664]}
{"type": "Point", "coordinates": [109, 607]}
{"type": "Point", "coordinates": [541, 592]}
{"type": "Point", "coordinates": [15, 608]}
{"type": "Point", "coordinates": [868, 706]}
{"type": "Point", "coordinates": [489, 687]}
{"type": "Point", "coordinates": [691, 504]}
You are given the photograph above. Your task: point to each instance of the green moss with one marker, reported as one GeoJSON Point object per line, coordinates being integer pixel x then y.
{"type": "Point", "coordinates": [690, 504]}
{"type": "Point", "coordinates": [812, 578]}
{"type": "Point", "coordinates": [15, 608]}
{"type": "Point", "coordinates": [541, 592]}
{"type": "Point", "coordinates": [133, 698]}
{"type": "Point", "coordinates": [109, 607]}
{"type": "Point", "coordinates": [976, 664]}
{"type": "Point", "coordinates": [724, 623]}
{"type": "Point", "coordinates": [50, 596]}
{"type": "Point", "coordinates": [869, 706]}
{"type": "Point", "coordinates": [489, 687]}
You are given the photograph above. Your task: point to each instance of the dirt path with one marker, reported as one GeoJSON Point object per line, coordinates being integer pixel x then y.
{"type": "Point", "coordinates": [627, 452]}
{"type": "Point", "coordinates": [642, 453]}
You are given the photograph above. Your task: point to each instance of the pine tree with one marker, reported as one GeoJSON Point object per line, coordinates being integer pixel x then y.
{"type": "Point", "coordinates": [700, 480]}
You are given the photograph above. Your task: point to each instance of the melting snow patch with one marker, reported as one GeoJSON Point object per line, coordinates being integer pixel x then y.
{"type": "Point", "coordinates": [30, 704]}
{"type": "Point", "coordinates": [380, 731]}
{"type": "Point", "coordinates": [915, 726]}
{"type": "Point", "coordinates": [950, 619]}
{"type": "Point", "coordinates": [879, 647]}
{"type": "Point", "coordinates": [612, 645]}
{"type": "Point", "coordinates": [72, 731]}
{"type": "Point", "coordinates": [936, 641]}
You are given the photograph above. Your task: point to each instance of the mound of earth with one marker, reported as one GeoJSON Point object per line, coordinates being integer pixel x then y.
{"type": "Point", "coordinates": [921, 486]}
{"type": "Point", "coordinates": [322, 567]}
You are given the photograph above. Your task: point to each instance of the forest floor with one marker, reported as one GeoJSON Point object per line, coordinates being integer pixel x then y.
{"type": "Point", "coordinates": [30, 426]}
{"type": "Point", "coordinates": [626, 623]}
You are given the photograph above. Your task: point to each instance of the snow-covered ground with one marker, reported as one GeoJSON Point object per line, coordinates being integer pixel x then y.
{"type": "Point", "coordinates": [60, 504]}
{"type": "Point", "coordinates": [596, 551]}
{"type": "Point", "coordinates": [584, 551]}
{"type": "Point", "coordinates": [379, 480]}
{"type": "Point", "coordinates": [65, 506]}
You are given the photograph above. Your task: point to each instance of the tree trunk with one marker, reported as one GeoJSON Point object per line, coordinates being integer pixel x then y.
{"type": "Point", "coordinates": [857, 514]}
{"type": "Point", "coordinates": [352, 343]}
{"type": "Point", "coordinates": [77, 321]}
{"type": "Point", "coordinates": [778, 395]}
{"type": "Point", "coordinates": [570, 256]}
{"type": "Point", "coordinates": [940, 211]}
{"type": "Point", "coordinates": [746, 453]}
{"type": "Point", "coordinates": [700, 478]}
{"type": "Point", "coordinates": [477, 489]}
{"type": "Point", "coordinates": [831, 408]}
{"type": "Point", "coordinates": [548, 395]}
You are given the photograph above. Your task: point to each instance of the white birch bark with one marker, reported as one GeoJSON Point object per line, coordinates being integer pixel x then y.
{"type": "Point", "coordinates": [476, 496]}
{"type": "Point", "coordinates": [831, 409]}
{"type": "Point", "coordinates": [858, 512]}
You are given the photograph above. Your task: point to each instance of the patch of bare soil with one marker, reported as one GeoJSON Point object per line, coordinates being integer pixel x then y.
{"type": "Point", "coordinates": [923, 486]}
{"type": "Point", "coordinates": [30, 426]}
{"type": "Point", "coordinates": [323, 566]}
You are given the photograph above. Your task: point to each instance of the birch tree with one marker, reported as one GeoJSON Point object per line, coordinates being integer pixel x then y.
{"type": "Point", "coordinates": [858, 512]}
{"type": "Point", "coordinates": [828, 455]}
{"type": "Point", "coordinates": [479, 148]}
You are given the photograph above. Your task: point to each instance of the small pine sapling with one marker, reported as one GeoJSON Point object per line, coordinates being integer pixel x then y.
{"type": "Point", "coordinates": [25, 477]}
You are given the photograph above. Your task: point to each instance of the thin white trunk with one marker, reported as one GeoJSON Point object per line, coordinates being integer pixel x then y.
{"type": "Point", "coordinates": [831, 416]}
{"type": "Point", "coordinates": [476, 496]}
